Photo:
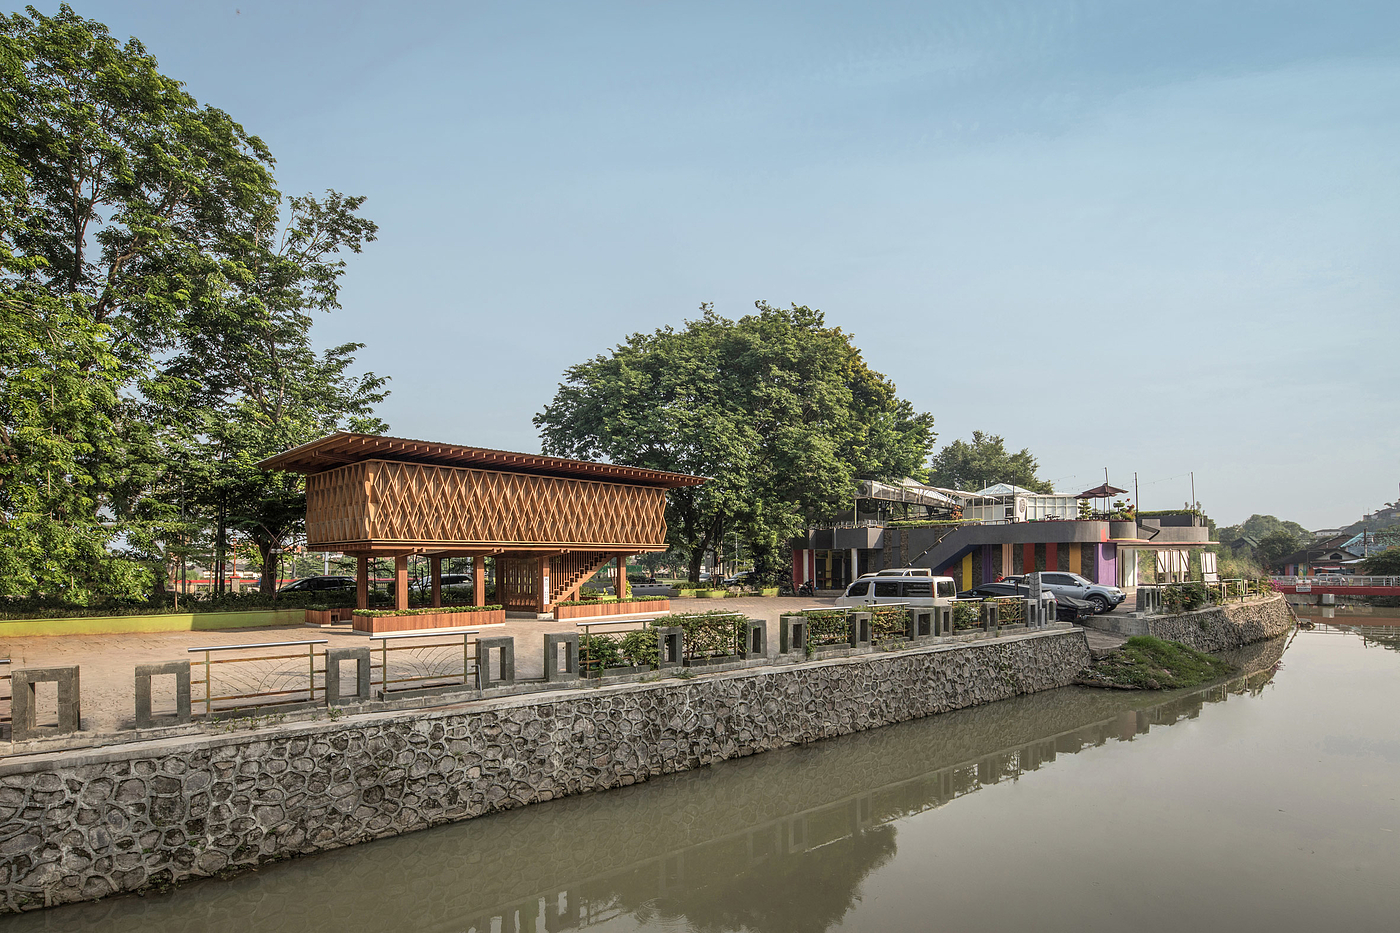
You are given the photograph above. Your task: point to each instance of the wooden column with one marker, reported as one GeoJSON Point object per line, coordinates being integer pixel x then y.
{"type": "Point", "coordinates": [1052, 556]}
{"type": "Point", "coordinates": [623, 590]}
{"type": "Point", "coordinates": [435, 572]}
{"type": "Point", "coordinates": [401, 581]}
{"type": "Point", "coordinates": [361, 581]}
{"type": "Point", "coordinates": [1028, 558]}
{"type": "Point", "coordinates": [479, 580]}
{"type": "Point", "coordinates": [542, 594]}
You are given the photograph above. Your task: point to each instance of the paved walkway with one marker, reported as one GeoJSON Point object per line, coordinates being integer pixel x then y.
{"type": "Point", "coordinates": [107, 662]}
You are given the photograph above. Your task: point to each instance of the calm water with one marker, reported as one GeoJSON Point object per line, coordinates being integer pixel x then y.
{"type": "Point", "coordinates": [1265, 803]}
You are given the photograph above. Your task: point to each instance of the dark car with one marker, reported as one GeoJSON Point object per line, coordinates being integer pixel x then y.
{"type": "Point", "coordinates": [1067, 608]}
{"type": "Point", "coordinates": [319, 584]}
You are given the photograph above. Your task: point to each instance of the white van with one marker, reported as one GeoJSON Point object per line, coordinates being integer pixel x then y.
{"type": "Point", "coordinates": [875, 589]}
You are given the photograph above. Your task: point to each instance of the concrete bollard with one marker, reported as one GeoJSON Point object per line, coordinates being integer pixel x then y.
{"type": "Point", "coordinates": [180, 670]}
{"type": "Point", "coordinates": [670, 644]}
{"type": "Point", "coordinates": [859, 636]}
{"type": "Point", "coordinates": [991, 616]}
{"type": "Point", "coordinates": [553, 673]}
{"type": "Point", "coordinates": [756, 639]}
{"type": "Point", "coordinates": [335, 696]}
{"type": "Point", "coordinates": [792, 635]}
{"type": "Point", "coordinates": [22, 702]}
{"type": "Point", "coordinates": [506, 676]}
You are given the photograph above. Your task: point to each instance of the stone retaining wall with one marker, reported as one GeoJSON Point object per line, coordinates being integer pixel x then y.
{"type": "Point", "coordinates": [1219, 628]}
{"type": "Point", "coordinates": [76, 825]}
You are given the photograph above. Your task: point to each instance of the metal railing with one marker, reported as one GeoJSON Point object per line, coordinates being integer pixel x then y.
{"type": "Point", "coordinates": [601, 649]}
{"type": "Point", "coordinates": [290, 678]}
{"type": "Point", "coordinates": [714, 634]}
{"type": "Point", "coordinates": [1336, 579]}
{"type": "Point", "coordinates": [889, 620]}
{"type": "Point", "coordinates": [436, 664]}
{"type": "Point", "coordinates": [1011, 610]}
{"type": "Point", "coordinates": [829, 627]}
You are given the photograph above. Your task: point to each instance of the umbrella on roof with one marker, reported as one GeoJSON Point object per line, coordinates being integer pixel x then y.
{"type": "Point", "coordinates": [1104, 491]}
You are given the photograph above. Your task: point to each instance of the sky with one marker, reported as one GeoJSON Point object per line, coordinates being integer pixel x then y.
{"type": "Point", "coordinates": [1149, 238]}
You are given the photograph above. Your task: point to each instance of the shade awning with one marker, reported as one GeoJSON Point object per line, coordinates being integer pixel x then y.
{"type": "Point", "coordinates": [1104, 491]}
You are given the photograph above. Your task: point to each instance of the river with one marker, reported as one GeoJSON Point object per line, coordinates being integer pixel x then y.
{"type": "Point", "coordinates": [1267, 802]}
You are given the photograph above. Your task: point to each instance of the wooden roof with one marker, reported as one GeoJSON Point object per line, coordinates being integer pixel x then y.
{"type": "Point", "coordinates": [342, 447]}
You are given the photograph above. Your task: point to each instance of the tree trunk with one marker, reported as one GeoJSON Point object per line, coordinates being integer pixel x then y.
{"type": "Point", "coordinates": [268, 584]}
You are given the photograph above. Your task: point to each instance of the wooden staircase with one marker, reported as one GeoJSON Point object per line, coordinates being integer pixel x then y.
{"type": "Point", "coordinates": [568, 573]}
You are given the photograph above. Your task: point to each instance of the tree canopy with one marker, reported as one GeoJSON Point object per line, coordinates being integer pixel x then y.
{"type": "Point", "coordinates": [1260, 527]}
{"type": "Point", "coordinates": [777, 409]}
{"type": "Point", "coordinates": [1384, 564]}
{"type": "Point", "coordinates": [1276, 545]}
{"type": "Point", "coordinates": [984, 462]}
{"type": "Point", "coordinates": [156, 293]}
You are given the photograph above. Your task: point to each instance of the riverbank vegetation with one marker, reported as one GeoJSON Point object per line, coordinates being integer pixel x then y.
{"type": "Point", "coordinates": [1147, 663]}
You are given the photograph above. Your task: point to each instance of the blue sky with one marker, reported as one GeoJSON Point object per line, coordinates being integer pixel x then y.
{"type": "Point", "coordinates": [1149, 237]}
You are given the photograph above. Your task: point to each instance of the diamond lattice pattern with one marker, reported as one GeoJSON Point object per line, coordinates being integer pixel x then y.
{"type": "Point", "coordinates": [384, 501]}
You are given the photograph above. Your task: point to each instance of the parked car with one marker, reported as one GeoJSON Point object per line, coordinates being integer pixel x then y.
{"type": "Point", "coordinates": [1067, 608]}
{"type": "Point", "coordinates": [1104, 598]}
{"type": "Point", "coordinates": [741, 578]}
{"type": "Point", "coordinates": [319, 584]}
{"type": "Point", "coordinates": [453, 584]}
{"type": "Point", "coordinates": [873, 589]}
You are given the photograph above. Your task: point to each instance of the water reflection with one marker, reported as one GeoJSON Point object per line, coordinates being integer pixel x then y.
{"type": "Point", "coordinates": [780, 842]}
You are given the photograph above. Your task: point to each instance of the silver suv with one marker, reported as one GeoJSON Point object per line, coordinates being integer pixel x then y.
{"type": "Point", "coordinates": [1104, 598]}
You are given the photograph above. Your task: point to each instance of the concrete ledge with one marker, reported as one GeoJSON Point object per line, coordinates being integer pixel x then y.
{"type": "Point", "coordinates": [1213, 629]}
{"type": "Point", "coordinates": [162, 622]}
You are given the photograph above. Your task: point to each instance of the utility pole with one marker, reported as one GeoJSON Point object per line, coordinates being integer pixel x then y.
{"type": "Point", "coordinates": [1193, 491]}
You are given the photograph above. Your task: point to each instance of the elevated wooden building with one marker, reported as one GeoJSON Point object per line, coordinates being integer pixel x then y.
{"type": "Point", "coordinates": [548, 523]}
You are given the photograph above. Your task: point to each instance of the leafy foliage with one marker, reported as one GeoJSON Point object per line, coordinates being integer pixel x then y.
{"type": "Point", "coordinates": [984, 462]}
{"type": "Point", "coordinates": [777, 409]}
{"type": "Point", "coordinates": [156, 294]}
{"type": "Point", "coordinates": [1384, 564]}
{"type": "Point", "coordinates": [1277, 545]}
{"type": "Point", "coordinates": [1260, 527]}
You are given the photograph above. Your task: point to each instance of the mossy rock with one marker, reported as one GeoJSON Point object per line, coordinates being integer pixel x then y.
{"type": "Point", "coordinates": [1147, 663]}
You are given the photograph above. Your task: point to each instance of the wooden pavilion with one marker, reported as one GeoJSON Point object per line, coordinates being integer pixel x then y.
{"type": "Point", "coordinates": [548, 523]}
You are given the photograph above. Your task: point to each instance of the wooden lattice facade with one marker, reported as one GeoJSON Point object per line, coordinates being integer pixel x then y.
{"type": "Point", "coordinates": [381, 504]}
{"type": "Point", "coordinates": [548, 523]}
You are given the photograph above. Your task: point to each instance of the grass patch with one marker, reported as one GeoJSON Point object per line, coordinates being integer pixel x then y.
{"type": "Point", "coordinates": [1147, 663]}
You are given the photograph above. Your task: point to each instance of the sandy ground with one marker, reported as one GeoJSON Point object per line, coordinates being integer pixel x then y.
{"type": "Point", "coordinates": [107, 662]}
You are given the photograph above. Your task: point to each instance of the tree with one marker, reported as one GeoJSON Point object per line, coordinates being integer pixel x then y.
{"type": "Point", "coordinates": [778, 410]}
{"type": "Point", "coordinates": [1384, 564]}
{"type": "Point", "coordinates": [1260, 527]}
{"type": "Point", "coordinates": [1275, 546]}
{"type": "Point", "coordinates": [247, 383]}
{"type": "Point", "coordinates": [982, 463]}
{"type": "Point", "coordinates": [143, 240]}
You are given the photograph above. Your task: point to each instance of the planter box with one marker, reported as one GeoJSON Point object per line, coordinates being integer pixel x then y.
{"type": "Point", "coordinates": [710, 594]}
{"type": "Point", "coordinates": [427, 621]}
{"type": "Point", "coordinates": [329, 616]}
{"type": "Point", "coordinates": [602, 610]}
{"type": "Point", "coordinates": [768, 591]}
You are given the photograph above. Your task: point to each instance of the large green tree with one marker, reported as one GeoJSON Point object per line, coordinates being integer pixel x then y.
{"type": "Point", "coordinates": [1260, 527]}
{"type": "Point", "coordinates": [777, 409]}
{"type": "Point", "coordinates": [1384, 564]}
{"type": "Point", "coordinates": [983, 462]}
{"type": "Point", "coordinates": [1277, 545]}
{"type": "Point", "coordinates": [155, 269]}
